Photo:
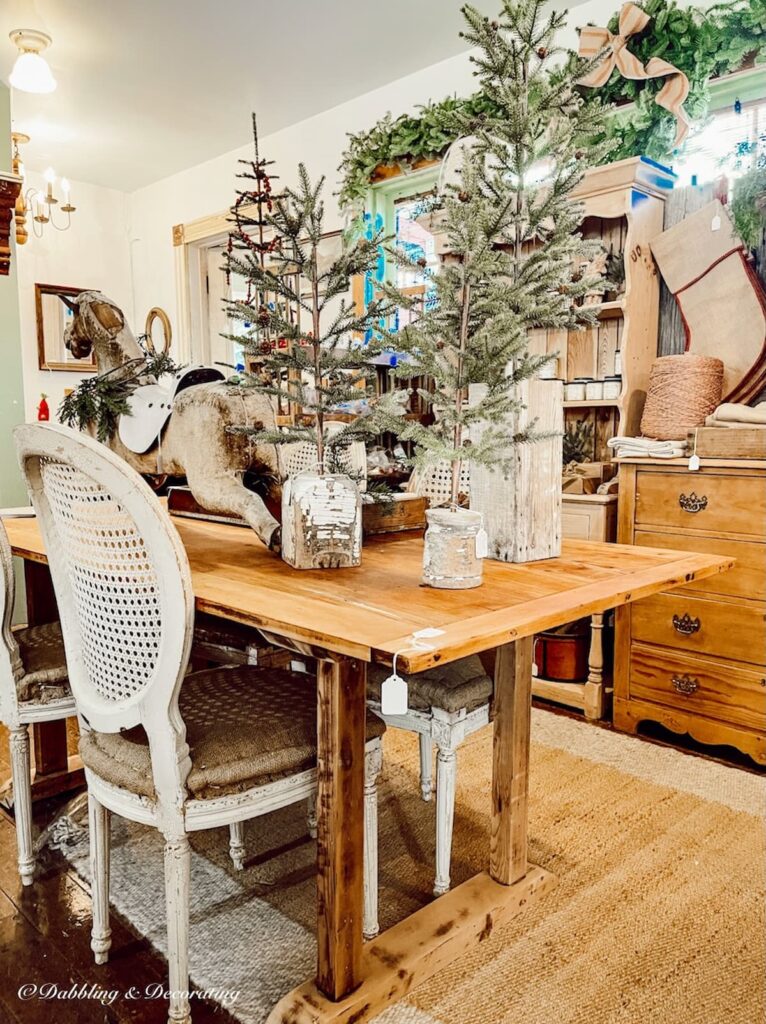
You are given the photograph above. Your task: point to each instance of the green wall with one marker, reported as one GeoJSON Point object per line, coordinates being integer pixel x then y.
{"type": "Point", "coordinates": [12, 491]}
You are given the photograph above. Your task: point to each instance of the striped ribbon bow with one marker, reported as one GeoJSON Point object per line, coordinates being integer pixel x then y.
{"type": "Point", "coordinates": [594, 40]}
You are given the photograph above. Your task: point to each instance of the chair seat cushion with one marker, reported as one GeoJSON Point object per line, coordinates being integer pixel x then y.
{"type": "Point", "coordinates": [461, 684]}
{"type": "Point", "coordinates": [42, 655]}
{"type": "Point", "coordinates": [244, 727]}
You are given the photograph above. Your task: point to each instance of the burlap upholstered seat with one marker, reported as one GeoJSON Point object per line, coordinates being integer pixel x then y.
{"type": "Point", "coordinates": [461, 684]}
{"type": "Point", "coordinates": [245, 727]}
{"type": "Point", "coordinates": [42, 654]}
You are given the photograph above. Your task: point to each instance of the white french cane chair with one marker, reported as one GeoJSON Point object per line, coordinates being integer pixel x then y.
{"type": "Point", "coordinates": [179, 753]}
{"type": "Point", "coordinates": [33, 688]}
{"type": "Point", "coordinates": [446, 704]}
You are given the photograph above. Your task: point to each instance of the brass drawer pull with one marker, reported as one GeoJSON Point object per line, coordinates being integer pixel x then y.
{"type": "Point", "coordinates": [685, 624]}
{"type": "Point", "coordinates": [692, 503]}
{"type": "Point", "coordinates": [685, 684]}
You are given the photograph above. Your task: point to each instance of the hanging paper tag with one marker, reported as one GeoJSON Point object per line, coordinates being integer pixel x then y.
{"type": "Point", "coordinates": [715, 223]}
{"type": "Point", "coordinates": [694, 463]}
{"type": "Point", "coordinates": [393, 696]}
{"type": "Point", "coordinates": [482, 546]}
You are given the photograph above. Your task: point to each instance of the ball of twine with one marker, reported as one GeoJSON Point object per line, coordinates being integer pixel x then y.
{"type": "Point", "coordinates": [683, 390]}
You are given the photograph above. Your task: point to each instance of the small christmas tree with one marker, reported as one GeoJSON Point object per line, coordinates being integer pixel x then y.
{"type": "Point", "coordinates": [513, 241]}
{"type": "Point", "coordinates": [301, 327]}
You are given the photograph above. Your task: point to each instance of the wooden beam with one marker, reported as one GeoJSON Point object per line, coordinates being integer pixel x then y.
{"type": "Point", "coordinates": [510, 761]}
{"type": "Point", "coordinates": [417, 948]}
{"type": "Point", "coordinates": [342, 688]}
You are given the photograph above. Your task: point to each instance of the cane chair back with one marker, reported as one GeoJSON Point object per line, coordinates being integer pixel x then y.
{"type": "Point", "coordinates": [121, 577]}
{"type": "Point", "coordinates": [302, 455]}
{"type": "Point", "coordinates": [435, 482]}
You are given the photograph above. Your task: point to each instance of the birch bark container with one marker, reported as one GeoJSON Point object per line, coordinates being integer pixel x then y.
{"type": "Point", "coordinates": [449, 559]}
{"type": "Point", "coordinates": [521, 508]}
{"type": "Point", "coordinates": [321, 521]}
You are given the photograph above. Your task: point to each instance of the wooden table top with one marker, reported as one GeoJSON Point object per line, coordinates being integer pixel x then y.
{"type": "Point", "coordinates": [371, 612]}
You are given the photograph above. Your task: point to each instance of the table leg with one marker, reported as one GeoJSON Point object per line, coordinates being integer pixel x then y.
{"type": "Point", "coordinates": [510, 761]}
{"type": "Point", "coordinates": [444, 930]}
{"type": "Point", "coordinates": [54, 771]}
{"type": "Point", "coordinates": [340, 824]}
{"type": "Point", "coordinates": [595, 698]}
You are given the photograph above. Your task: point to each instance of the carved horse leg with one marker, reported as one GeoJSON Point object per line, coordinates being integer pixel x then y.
{"type": "Point", "coordinates": [221, 491]}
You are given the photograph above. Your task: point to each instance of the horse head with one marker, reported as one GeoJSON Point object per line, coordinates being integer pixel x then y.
{"type": "Point", "coordinates": [99, 324]}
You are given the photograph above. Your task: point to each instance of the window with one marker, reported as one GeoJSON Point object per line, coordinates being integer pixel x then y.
{"type": "Point", "coordinates": [732, 142]}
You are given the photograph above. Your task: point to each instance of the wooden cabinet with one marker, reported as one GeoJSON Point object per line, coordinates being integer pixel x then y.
{"type": "Point", "coordinates": [694, 659]}
{"type": "Point", "coordinates": [623, 208]}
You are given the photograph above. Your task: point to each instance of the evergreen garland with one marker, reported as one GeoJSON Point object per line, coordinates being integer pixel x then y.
{"type": "Point", "coordinates": [100, 401]}
{"type": "Point", "coordinates": [702, 44]}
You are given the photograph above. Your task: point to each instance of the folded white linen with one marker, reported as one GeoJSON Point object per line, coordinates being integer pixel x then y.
{"type": "Point", "coordinates": [735, 414]}
{"type": "Point", "coordinates": [646, 447]}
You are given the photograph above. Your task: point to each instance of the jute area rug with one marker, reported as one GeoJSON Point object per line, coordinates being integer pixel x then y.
{"type": "Point", "coordinates": [658, 916]}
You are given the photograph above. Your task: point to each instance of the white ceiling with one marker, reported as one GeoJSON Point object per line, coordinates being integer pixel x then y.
{"type": "Point", "coordinates": [149, 87]}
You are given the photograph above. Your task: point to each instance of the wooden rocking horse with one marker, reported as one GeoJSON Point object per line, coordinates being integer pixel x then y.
{"type": "Point", "coordinates": [195, 439]}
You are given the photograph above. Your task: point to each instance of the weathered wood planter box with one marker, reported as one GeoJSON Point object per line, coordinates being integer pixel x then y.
{"type": "Point", "coordinates": [521, 509]}
{"type": "Point", "coordinates": [321, 521]}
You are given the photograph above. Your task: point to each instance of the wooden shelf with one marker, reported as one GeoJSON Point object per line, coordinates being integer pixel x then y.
{"type": "Point", "coordinates": [570, 694]}
{"type": "Point", "coordinates": [610, 310]}
{"type": "Point", "coordinates": [607, 403]}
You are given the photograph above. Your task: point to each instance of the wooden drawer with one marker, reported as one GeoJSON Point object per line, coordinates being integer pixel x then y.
{"type": "Point", "coordinates": [699, 685]}
{"type": "Point", "coordinates": [701, 501]}
{"type": "Point", "coordinates": [697, 624]}
{"type": "Point", "coordinates": [583, 519]}
{"type": "Point", "coordinates": [746, 579]}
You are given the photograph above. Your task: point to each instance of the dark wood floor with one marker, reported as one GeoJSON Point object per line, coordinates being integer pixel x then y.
{"type": "Point", "coordinates": [45, 931]}
{"type": "Point", "coordinates": [45, 939]}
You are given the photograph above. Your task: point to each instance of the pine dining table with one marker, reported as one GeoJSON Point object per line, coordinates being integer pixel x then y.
{"type": "Point", "coordinates": [348, 618]}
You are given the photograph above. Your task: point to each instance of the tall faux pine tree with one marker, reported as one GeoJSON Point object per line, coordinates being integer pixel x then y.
{"type": "Point", "coordinates": [513, 241]}
{"type": "Point", "coordinates": [301, 326]}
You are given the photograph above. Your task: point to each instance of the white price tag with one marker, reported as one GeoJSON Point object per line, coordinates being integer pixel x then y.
{"type": "Point", "coordinates": [694, 463]}
{"type": "Point", "coordinates": [482, 546]}
{"type": "Point", "coordinates": [393, 696]}
{"type": "Point", "coordinates": [715, 223]}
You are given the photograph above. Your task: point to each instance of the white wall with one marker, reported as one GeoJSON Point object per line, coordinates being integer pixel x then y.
{"type": "Point", "coordinates": [93, 253]}
{"type": "Point", "coordinates": [319, 141]}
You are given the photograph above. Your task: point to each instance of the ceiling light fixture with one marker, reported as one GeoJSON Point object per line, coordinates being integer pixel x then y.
{"type": "Point", "coordinates": [31, 72]}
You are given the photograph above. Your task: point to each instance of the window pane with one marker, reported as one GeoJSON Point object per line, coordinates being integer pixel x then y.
{"type": "Point", "coordinates": [731, 143]}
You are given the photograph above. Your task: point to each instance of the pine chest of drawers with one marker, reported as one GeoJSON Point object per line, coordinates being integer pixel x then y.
{"type": "Point", "coordinates": [694, 659]}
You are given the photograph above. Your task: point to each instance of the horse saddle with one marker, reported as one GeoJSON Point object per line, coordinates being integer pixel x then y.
{"type": "Point", "coordinates": [152, 404]}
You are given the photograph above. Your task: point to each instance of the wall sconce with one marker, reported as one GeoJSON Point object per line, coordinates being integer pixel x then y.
{"type": "Point", "coordinates": [39, 205]}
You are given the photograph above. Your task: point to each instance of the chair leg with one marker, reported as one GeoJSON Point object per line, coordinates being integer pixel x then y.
{"type": "Point", "coordinates": [372, 765]}
{"type": "Point", "coordinates": [21, 772]}
{"type": "Point", "coordinates": [177, 877]}
{"type": "Point", "coordinates": [425, 765]}
{"type": "Point", "coordinates": [237, 844]}
{"type": "Point", "coordinates": [446, 773]}
{"type": "Point", "coordinates": [98, 824]}
{"type": "Point", "coordinates": [311, 815]}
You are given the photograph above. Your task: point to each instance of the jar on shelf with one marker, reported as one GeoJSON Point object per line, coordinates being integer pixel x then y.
{"type": "Point", "coordinates": [594, 390]}
{"type": "Point", "coordinates": [612, 387]}
{"type": "Point", "coordinates": [618, 363]}
{"type": "Point", "coordinates": [574, 391]}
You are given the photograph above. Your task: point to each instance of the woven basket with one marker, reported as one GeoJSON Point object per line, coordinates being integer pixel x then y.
{"type": "Point", "coordinates": [683, 390]}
